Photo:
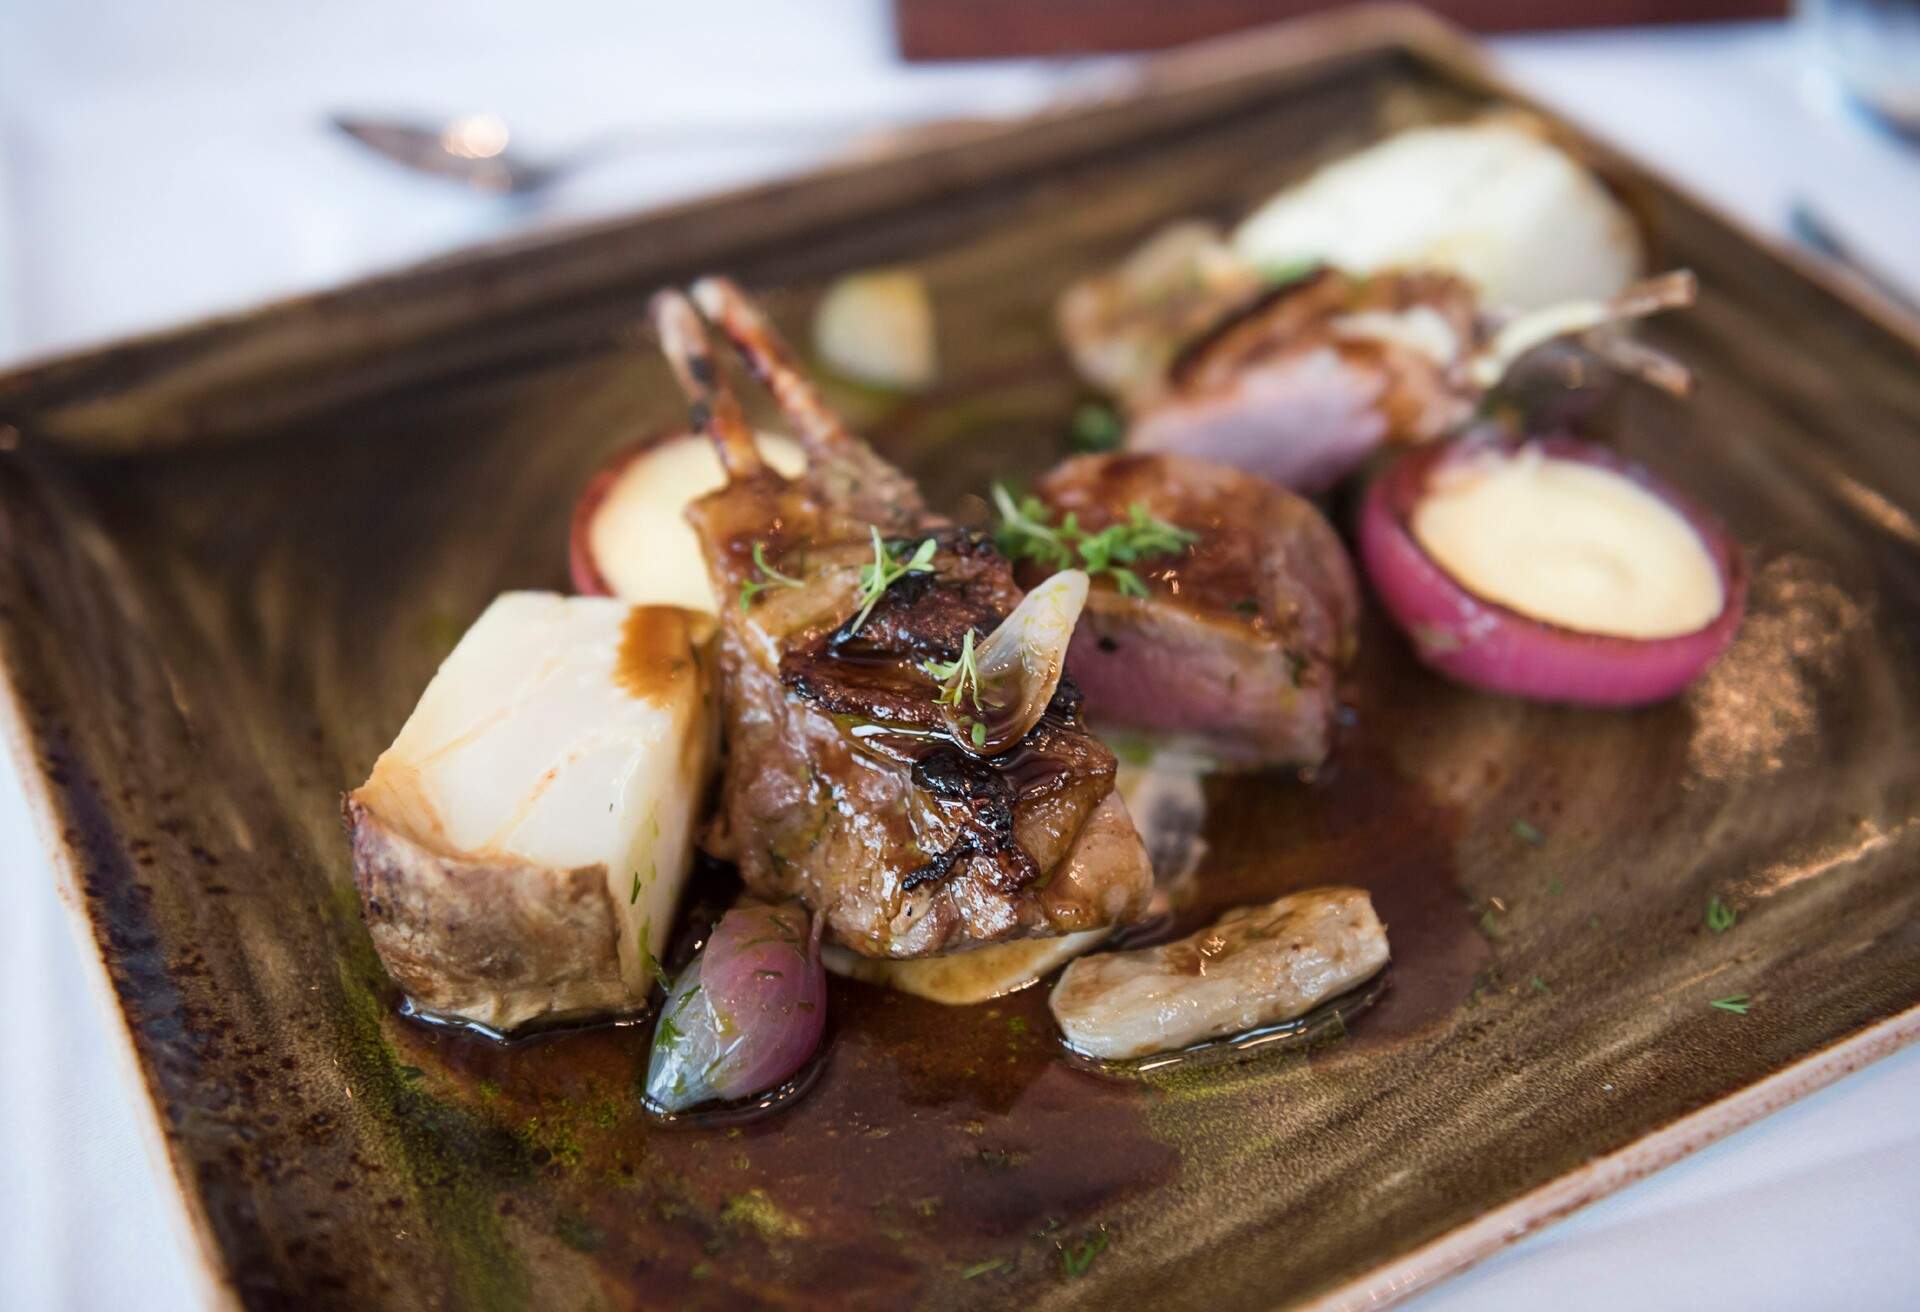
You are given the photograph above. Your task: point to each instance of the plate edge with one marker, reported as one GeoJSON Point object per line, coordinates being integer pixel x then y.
{"type": "Point", "coordinates": [192, 1228]}
{"type": "Point", "coordinates": [1467, 1245]}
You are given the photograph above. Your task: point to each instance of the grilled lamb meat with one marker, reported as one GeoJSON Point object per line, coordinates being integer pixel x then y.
{"type": "Point", "coordinates": [1303, 384]}
{"type": "Point", "coordinates": [1302, 380]}
{"type": "Point", "coordinates": [1238, 639]}
{"type": "Point", "coordinates": [844, 785]}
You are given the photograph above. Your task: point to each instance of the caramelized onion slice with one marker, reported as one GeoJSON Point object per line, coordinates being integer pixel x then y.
{"type": "Point", "coordinates": [745, 1014]}
{"type": "Point", "coordinates": [1019, 668]}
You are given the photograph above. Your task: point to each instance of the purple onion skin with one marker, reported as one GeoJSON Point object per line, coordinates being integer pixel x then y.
{"type": "Point", "coordinates": [745, 1014]}
{"type": "Point", "coordinates": [1485, 645]}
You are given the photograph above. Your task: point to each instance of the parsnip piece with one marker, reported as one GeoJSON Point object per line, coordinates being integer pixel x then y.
{"type": "Point", "coordinates": [520, 847]}
{"type": "Point", "coordinates": [1255, 966]}
{"type": "Point", "coordinates": [1493, 201]}
{"type": "Point", "coordinates": [877, 327]}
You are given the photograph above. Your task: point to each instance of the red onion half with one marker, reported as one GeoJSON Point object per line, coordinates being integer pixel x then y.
{"type": "Point", "coordinates": [744, 1015]}
{"type": "Point", "coordinates": [1486, 645]}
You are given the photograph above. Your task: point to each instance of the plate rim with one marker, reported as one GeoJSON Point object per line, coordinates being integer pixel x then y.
{"type": "Point", "coordinates": [1291, 46]}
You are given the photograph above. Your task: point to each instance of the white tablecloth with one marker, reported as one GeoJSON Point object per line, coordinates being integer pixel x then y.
{"type": "Point", "coordinates": [163, 161]}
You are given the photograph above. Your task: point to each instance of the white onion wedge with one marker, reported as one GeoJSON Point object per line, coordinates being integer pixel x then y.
{"type": "Point", "coordinates": [520, 848]}
{"type": "Point", "coordinates": [1020, 665]}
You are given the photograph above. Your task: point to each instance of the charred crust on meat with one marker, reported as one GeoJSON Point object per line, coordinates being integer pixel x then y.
{"type": "Point", "coordinates": [979, 798]}
{"type": "Point", "coordinates": [1190, 356]}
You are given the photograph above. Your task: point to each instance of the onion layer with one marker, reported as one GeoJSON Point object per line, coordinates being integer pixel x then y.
{"type": "Point", "coordinates": [1487, 645]}
{"type": "Point", "coordinates": [744, 1015]}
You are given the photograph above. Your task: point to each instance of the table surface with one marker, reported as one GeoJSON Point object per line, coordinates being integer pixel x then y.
{"type": "Point", "coordinates": [163, 162]}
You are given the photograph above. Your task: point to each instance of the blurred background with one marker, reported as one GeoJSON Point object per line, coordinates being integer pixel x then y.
{"type": "Point", "coordinates": [161, 162]}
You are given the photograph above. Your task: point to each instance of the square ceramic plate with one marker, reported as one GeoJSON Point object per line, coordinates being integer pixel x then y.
{"type": "Point", "coordinates": [235, 553]}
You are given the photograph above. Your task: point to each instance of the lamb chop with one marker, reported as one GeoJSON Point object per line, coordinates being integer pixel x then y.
{"type": "Point", "coordinates": [1232, 638]}
{"type": "Point", "coordinates": [1300, 378]}
{"type": "Point", "coordinates": [855, 779]}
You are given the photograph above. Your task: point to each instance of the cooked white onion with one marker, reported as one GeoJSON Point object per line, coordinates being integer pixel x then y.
{"type": "Point", "coordinates": [1020, 665]}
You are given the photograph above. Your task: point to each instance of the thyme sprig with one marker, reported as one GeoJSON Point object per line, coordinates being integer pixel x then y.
{"type": "Point", "coordinates": [886, 570]}
{"type": "Point", "coordinates": [959, 679]}
{"type": "Point", "coordinates": [1027, 533]}
{"type": "Point", "coordinates": [773, 578]}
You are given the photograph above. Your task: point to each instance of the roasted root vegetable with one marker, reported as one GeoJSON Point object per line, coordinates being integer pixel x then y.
{"type": "Point", "coordinates": [877, 327]}
{"type": "Point", "coordinates": [520, 847]}
{"type": "Point", "coordinates": [1256, 966]}
{"type": "Point", "coordinates": [1493, 202]}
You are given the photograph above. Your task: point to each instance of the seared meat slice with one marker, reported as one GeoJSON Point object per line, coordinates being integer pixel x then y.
{"type": "Point", "coordinates": [1302, 385]}
{"type": "Point", "coordinates": [843, 784]}
{"type": "Point", "coordinates": [1299, 381]}
{"type": "Point", "coordinates": [1239, 636]}
{"type": "Point", "coordinates": [1256, 966]}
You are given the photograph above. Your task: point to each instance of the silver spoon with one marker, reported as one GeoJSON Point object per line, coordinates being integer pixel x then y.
{"type": "Point", "coordinates": [475, 151]}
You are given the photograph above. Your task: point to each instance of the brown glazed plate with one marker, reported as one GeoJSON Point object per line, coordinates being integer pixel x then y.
{"type": "Point", "coordinates": [234, 554]}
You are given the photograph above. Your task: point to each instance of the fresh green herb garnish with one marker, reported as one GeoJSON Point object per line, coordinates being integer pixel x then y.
{"type": "Point", "coordinates": [1554, 887]}
{"type": "Point", "coordinates": [1526, 832]}
{"type": "Point", "coordinates": [1737, 1004]}
{"type": "Point", "coordinates": [666, 1032]}
{"type": "Point", "coordinates": [773, 578]}
{"type": "Point", "coordinates": [1097, 428]}
{"type": "Point", "coordinates": [648, 965]}
{"type": "Point", "coordinates": [978, 733]}
{"type": "Point", "coordinates": [1720, 916]}
{"type": "Point", "coordinates": [959, 679]}
{"type": "Point", "coordinates": [411, 1072]}
{"type": "Point", "coordinates": [1027, 533]}
{"type": "Point", "coordinates": [982, 1268]}
{"type": "Point", "coordinates": [885, 571]}
{"type": "Point", "coordinates": [1077, 1260]}
{"type": "Point", "coordinates": [1285, 271]}
{"type": "Point", "coordinates": [633, 894]}
{"type": "Point", "coordinates": [1540, 986]}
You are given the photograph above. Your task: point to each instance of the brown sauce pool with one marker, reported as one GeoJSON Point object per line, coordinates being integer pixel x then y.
{"type": "Point", "coordinates": [935, 1141]}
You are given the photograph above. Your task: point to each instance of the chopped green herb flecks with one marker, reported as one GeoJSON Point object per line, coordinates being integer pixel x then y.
{"type": "Point", "coordinates": [978, 733]}
{"type": "Point", "coordinates": [1737, 1004]}
{"type": "Point", "coordinates": [1526, 832]}
{"type": "Point", "coordinates": [985, 1268]}
{"type": "Point", "coordinates": [649, 965]}
{"type": "Point", "coordinates": [1027, 533]}
{"type": "Point", "coordinates": [1077, 1259]}
{"type": "Point", "coordinates": [633, 894]}
{"type": "Point", "coordinates": [1720, 916]}
{"type": "Point", "coordinates": [1282, 272]}
{"type": "Point", "coordinates": [1540, 986]}
{"type": "Point", "coordinates": [1097, 428]}
{"type": "Point", "coordinates": [770, 578]}
{"type": "Point", "coordinates": [886, 570]}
